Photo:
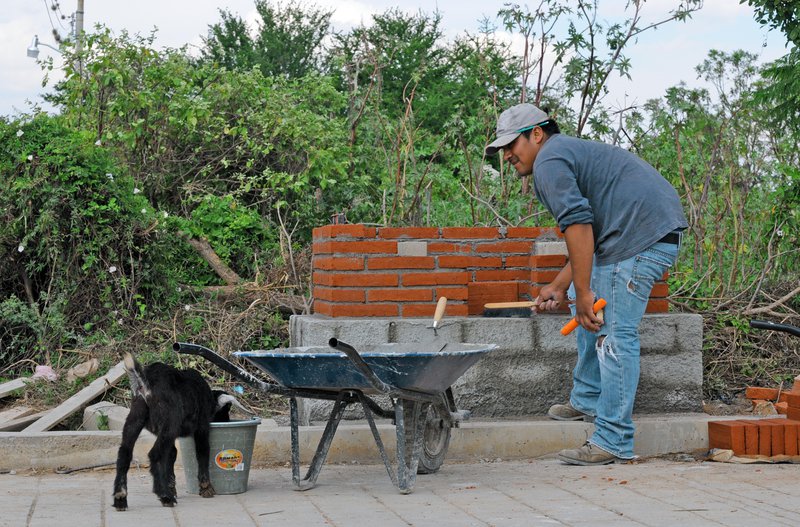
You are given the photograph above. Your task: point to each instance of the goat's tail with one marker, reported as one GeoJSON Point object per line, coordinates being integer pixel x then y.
{"type": "Point", "coordinates": [136, 377]}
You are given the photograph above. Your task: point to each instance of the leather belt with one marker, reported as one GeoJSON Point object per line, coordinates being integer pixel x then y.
{"type": "Point", "coordinates": [673, 238]}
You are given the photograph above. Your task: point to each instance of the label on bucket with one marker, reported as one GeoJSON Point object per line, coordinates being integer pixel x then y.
{"type": "Point", "coordinates": [230, 459]}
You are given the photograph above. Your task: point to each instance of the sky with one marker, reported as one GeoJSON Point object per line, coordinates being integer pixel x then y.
{"type": "Point", "coordinates": [659, 59]}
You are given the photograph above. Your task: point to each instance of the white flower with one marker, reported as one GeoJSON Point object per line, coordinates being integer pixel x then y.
{"type": "Point", "coordinates": [20, 248]}
{"type": "Point", "coordinates": [112, 269]}
{"type": "Point", "coordinates": [187, 307]}
{"type": "Point", "coordinates": [19, 133]}
{"type": "Point", "coordinates": [98, 143]}
{"type": "Point", "coordinates": [136, 190]}
{"type": "Point", "coordinates": [178, 289]}
{"type": "Point", "coordinates": [144, 211]}
{"type": "Point", "coordinates": [120, 321]}
{"type": "Point", "coordinates": [779, 232]}
{"type": "Point", "coordinates": [110, 176]}
{"type": "Point", "coordinates": [30, 157]}
{"type": "Point", "coordinates": [166, 214]}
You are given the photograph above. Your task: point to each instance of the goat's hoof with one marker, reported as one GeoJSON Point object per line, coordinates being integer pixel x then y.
{"type": "Point", "coordinates": [207, 490]}
{"type": "Point", "coordinates": [168, 501]}
{"type": "Point", "coordinates": [121, 504]}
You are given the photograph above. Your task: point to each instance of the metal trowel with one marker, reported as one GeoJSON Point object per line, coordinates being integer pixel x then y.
{"type": "Point", "coordinates": [441, 305]}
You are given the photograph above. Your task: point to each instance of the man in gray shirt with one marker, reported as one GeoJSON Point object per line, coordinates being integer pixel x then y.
{"type": "Point", "coordinates": [622, 222]}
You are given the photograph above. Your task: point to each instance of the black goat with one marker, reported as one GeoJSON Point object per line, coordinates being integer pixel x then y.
{"type": "Point", "coordinates": [170, 403]}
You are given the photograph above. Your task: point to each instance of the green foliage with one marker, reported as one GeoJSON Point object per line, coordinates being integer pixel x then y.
{"type": "Point", "coordinates": [286, 43]}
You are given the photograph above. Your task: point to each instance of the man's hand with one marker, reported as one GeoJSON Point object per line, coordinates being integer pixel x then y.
{"type": "Point", "coordinates": [584, 313]}
{"type": "Point", "coordinates": [551, 297]}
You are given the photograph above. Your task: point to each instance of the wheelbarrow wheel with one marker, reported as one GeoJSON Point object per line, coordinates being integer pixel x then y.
{"type": "Point", "coordinates": [435, 433]}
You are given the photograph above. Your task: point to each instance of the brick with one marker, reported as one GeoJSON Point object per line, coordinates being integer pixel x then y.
{"type": "Point", "coordinates": [464, 233]}
{"type": "Point", "coordinates": [660, 290]}
{"type": "Point", "coordinates": [400, 295]}
{"type": "Point", "coordinates": [727, 435]}
{"type": "Point", "coordinates": [777, 434]}
{"type": "Point", "coordinates": [453, 293]}
{"type": "Point", "coordinates": [756, 392]}
{"type": "Point", "coordinates": [750, 437]}
{"type": "Point", "coordinates": [354, 247]}
{"type": "Point", "coordinates": [459, 278]}
{"type": "Point", "coordinates": [409, 232]}
{"type": "Point", "coordinates": [517, 261]}
{"type": "Point", "coordinates": [356, 310]}
{"type": "Point", "coordinates": [354, 230]}
{"type": "Point", "coordinates": [548, 260]}
{"type": "Point", "coordinates": [796, 385]}
{"type": "Point", "coordinates": [447, 247]}
{"type": "Point", "coordinates": [412, 248]}
{"type": "Point", "coordinates": [543, 277]}
{"type": "Point", "coordinates": [463, 262]}
{"type": "Point", "coordinates": [356, 279]}
{"type": "Point", "coordinates": [400, 262]}
{"type": "Point", "coordinates": [657, 306]}
{"type": "Point", "coordinates": [363, 247]}
{"type": "Point", "coordinates": [781, 407]}
{"type": "Point", "coordinates": [502, 275]}
{"type": "Point", "coordinates": [524, 232]}
{"type": "Point", "coordinates": [791, 431]}
{"type": "Point", "coordinates": [792, 399]}
{"type": "Point", "coordinates": [338, 294]}
{"type": "Point", "coordinates": [764, 439]}
{"type": "Point", "coordinates": [426, 310]}
{"type": "Point", "coordinates": [322, 308]}
{"type": "Point", "coordinates": [506, 247]}
{"type": "Point", "coordinates": [332, 263]}
{"type": "Point", "coordinates": [793, 413]}
{"type": "Point", "coordinates": [481, 293]}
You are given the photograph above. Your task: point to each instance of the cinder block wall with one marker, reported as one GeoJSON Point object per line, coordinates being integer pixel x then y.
{"type": "Point", "coordinates": [364, 271]}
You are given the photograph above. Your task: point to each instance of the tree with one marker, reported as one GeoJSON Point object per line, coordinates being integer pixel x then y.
{"type": "Point", "coordinates": [287, 41]}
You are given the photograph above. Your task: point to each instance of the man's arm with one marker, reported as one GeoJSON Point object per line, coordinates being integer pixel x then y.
{"type": "Point", "coordinates": [580, 245]}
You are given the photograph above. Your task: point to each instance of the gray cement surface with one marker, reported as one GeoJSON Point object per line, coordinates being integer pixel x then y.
{"type": "Point", "coordinates": [653, 492]}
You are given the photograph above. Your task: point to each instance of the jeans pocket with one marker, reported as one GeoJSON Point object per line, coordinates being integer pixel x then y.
{"type": "Point", "coordinates": [649, 266]}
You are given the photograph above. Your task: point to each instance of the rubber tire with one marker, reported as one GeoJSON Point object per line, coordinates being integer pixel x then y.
{"type": "Point", "coordinates": [436, 434]}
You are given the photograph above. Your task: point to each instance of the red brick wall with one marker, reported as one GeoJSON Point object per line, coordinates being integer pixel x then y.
{"type": "Point", "coordinates": [361, 271]}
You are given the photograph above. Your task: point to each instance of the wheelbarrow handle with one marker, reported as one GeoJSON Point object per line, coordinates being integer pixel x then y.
{"type": "Point", "coordinates": [226, 365]}
{"type": "Point", "coordinates": [765, 324]}
{"type": "Point", "coordinates": [359, 363]}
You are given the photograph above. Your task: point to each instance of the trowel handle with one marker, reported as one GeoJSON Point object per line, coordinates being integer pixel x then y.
{"type": "Point", "coordinates": [572, 324]}
{"type": "Point", "coordinates": [441, 305]}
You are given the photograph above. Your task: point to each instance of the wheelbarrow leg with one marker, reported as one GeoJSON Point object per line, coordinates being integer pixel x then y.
{"type": "Point", "coordinates": [406, 474]}
{"type": "Point", "coordinates": [310, 480]}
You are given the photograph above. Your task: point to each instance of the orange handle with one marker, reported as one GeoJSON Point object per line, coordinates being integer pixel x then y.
{"type": "Point", "coordinates": [572, 324]}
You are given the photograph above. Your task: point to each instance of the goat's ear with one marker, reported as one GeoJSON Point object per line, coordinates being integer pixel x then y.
{"type": "Point", "coordinates": [226, 399]}
{"type": "Point", "coordinates": [136, 377]}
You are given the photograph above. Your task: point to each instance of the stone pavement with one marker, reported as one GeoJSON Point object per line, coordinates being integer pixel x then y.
{"type": "Point", "coordinates": [543, 491]}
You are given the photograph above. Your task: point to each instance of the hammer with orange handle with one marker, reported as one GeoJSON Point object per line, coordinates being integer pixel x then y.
{"type": "Point", "coordinates": [572, 324]}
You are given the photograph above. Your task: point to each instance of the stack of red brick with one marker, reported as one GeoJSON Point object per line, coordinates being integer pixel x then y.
{"type": "Point", "coordinates": [762, 437]}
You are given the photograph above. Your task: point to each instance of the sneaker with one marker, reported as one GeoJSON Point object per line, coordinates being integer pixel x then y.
{"type": "Point", "coordinates": [565, 412]}
{"type": "Point", "coordinates": [587, 455]}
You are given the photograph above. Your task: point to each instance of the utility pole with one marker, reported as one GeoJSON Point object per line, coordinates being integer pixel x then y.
{"type": "Point", "coordinates": [79, 37]}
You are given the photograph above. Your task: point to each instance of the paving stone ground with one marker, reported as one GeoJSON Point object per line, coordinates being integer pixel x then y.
{"type": "Point", "coordinates": [653, 492]}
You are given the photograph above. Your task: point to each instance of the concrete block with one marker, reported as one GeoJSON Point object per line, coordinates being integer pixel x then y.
{"type": "Point", "coordinates": [116, 415]}
{"type": "Point", "coordinates": [412, 248]}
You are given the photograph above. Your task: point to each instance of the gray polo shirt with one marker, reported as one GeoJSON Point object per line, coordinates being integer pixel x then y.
{"type": "Point", "coordinates": [628, 203]}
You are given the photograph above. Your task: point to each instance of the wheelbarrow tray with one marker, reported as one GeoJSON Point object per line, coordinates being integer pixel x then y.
{"type": "Point", "coordinates": [406, 366]}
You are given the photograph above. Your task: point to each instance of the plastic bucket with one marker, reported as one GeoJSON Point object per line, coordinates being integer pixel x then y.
{"type": "Point", "coordinates": [229, 460]}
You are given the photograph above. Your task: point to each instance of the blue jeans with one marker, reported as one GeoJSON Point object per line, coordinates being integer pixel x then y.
{"type": "Point", "coordinates": [607, 373]}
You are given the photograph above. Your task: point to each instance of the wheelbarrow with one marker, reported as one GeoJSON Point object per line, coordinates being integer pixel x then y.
{"type": "Point", "coordinates": [417, 381]}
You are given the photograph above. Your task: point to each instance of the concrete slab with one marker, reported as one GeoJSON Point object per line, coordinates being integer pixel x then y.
{"type": "Point", "coordinates": [474, 440]}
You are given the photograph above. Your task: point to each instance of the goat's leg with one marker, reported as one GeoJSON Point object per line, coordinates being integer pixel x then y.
{"type": "Point", "coordinates": [159, 458]}
{"type": "Point", "coordinates": [202, 447]}
{"type": "Point", "coordinates": [130, 432]}
{"type": "Point", "coordinates": [173, 455]}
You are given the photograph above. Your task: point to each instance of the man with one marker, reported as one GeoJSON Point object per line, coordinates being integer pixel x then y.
{"type": "Point", "coordinates": [622, 222]}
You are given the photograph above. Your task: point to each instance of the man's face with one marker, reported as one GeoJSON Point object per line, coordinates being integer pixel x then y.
{"type": "Point", "coordinates": [522, 151]}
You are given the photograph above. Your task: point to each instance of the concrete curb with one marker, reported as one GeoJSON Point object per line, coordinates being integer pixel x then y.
{"type": "Point", "coordinates": [473, 441]}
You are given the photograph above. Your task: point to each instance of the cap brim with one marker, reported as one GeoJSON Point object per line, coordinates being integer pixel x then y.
{"type": "Point", "coordinates": [500, 142]}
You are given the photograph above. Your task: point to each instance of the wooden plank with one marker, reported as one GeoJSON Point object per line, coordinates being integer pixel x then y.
{"type": "Point", "coordinates": [11, 386]}
{"type": "Point", "coordinates": [15, 413]}
{"type": "Point", "coordinates": [15, 425]}
{"type": "Point", "coordinates": [79, 400]}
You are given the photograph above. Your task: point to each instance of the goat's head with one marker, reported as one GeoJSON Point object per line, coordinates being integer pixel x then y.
{"type": "Point", "coordinates": [224, 403]}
